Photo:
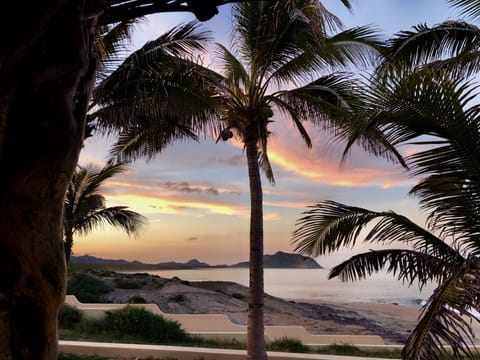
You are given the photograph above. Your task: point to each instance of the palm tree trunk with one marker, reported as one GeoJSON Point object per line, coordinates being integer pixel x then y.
{"type": "Point", "coordinates": [45, 84]}
{"type": "Point", "coordinates": [256, 339]}
{"type": "Point", "coordinates": [68, 244]}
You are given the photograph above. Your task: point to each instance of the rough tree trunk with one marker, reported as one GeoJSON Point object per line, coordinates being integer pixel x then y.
{"type": "Point", "coordinates": [256, 327]}
{"type": "Point", "coordinates": [46, 75]}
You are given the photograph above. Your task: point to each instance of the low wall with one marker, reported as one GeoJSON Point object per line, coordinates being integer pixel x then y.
{"type": "Point", "coordinates": [133, 351]}
{"type": "Point", "coordinates": [220, 327]}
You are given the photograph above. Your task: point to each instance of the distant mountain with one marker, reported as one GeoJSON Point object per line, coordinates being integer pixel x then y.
{"type": "Point", "coordinates": [88, 259]}
{"type": "Point", "coordinates": [278, 260]}
{"type": "Point", "coordinates": [285, 260]}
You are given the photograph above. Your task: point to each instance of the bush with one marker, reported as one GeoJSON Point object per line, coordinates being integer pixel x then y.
{"type": "Point", "coordinates": [137, 321]}
{"type": "Point", "coordinates": [86, 288]}
{"type": "Point", "coordinates": [70, 316]}
{"type": "Point", "coordinates": [136, 300]}
{"type": "Point", "coordinates": [66, 356]}
{"type": "Point", "coordinates": [343, 349]}
{"type": "Point", "coordinates": [287, 345]}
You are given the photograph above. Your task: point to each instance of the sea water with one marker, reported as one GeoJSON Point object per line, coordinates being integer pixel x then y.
{"type": "Point", "coordinates": [313, 284]}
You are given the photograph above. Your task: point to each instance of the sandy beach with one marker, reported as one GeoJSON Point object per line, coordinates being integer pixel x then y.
{"type": "Point", "coordinates": [390, 321]}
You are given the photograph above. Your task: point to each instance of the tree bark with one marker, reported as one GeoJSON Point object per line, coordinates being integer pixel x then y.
{"type": "Point", "coordinates": [256, 339]}
{"type": "Point", "coordinates": [46, 77]}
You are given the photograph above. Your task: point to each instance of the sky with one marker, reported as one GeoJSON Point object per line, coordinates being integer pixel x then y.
{"type": "Point", "coordinates": [195, 194]}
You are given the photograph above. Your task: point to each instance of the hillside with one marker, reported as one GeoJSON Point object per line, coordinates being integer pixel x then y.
{"type": "Point", "coordinates": [285, 260]}
{"type": "Point", "coordinates": [278, 260]}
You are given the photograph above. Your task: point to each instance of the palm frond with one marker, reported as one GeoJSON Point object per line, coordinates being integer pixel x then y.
{"type": "Point", "coordinates": [444, 320]}
{"type": "Point", "coordinates": [161, 58]}
{"type": "Point", "coordinates": [470, 8]}
{"type": "Point", "coordinates": [148, 140]}
{"type": "Point", "coordinates": [111, 45]}
{"type": "Point", "coordinates": [270, 34]}
{"type": "Point", "coordinates": [118, 216]}
{"type": "Point", "coordinates": [406, 265]}
{"type": "Point", "coordinates": [323, 100]}
{"type": "Point", "coordinates": [296, 118]}
{"type": "Point", "coordinates": [359, 46]}
{"type": "Point", "coordinates": [424, 45]}
{"type": "Point", "coordinates": [329, 226]}
{"type": "Point", "coordinates": [264, 162]}
{"type": "Point", "coordinates": [234, 72]}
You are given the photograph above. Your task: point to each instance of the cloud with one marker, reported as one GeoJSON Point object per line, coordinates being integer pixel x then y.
{"type": "Point", "coordinates": [187, 188]}
{"type": "Point", "coordinates": [153, 204]}
{"type": "Point", "coordinates": [236, 160]}
{"type": "Point", "coordinates": [322, 163]}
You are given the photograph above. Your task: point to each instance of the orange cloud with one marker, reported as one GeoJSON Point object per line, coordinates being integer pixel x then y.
{"type": "Point", "coordinates": [148, 204]}
{"type": "Point", "coordinates": [322, 164]}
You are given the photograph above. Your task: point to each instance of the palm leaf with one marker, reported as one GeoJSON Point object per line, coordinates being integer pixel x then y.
{"type": "Point", "coordinates": [407, 265]}
{"type": "Point", "coordinates": [469, 8]}
{"type": "Point", "coordinates": [149, 140]}
{"type": "Point", "coordinates": [329, 225]}
{"type": "Point", "coordinates": [268, 34]}
{"type": "Point", "coordinates": [117, 216]}
{"type": "Point", "coordinates": [428, 45]}
{"type": "Point", "coordinates": [444, 319]}
{"type": "Point", "coordinates": [110, 45]}
{"type": "Point", "coordinates": [234, 71]}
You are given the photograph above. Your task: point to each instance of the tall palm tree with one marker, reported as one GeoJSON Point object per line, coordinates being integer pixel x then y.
{"type": "Point", "coordinates": [440, 114]}
{"type": "Point", "coordinates": [85, 208]}
{"type": "Point", "coordinates": [279, 48]}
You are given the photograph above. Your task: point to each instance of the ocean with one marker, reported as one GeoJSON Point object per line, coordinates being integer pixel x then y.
{"type": "Point", "coordinates": [313, 284]}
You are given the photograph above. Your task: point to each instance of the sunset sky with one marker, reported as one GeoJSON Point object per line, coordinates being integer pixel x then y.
{"type": "Point", "coordinates": [196, 196]}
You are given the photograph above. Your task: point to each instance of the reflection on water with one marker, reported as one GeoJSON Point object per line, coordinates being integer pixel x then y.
{"type": "Point", "coordinates": [313, 284]}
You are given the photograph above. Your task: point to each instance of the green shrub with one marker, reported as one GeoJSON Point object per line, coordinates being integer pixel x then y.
{"type": "Point", "coordinates": [137, 321]}
{"type": "Point", "coordinates": [287, 345]}
{"type": "Point", "coordinates": [70, 316]}
{"type": "Point", "coordinates": [86, 288]}
{"type": "Point", "coordinates": [65, 356]}
{"type": "Point", "coordinates": [137, 300]}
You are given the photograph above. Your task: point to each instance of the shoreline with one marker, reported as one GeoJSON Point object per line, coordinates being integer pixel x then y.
{"type": "Point", "coordinates": [176, 296]}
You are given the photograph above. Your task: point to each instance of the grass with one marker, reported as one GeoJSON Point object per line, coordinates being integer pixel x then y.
{"type": "Point", "coordinates": [67, 356]}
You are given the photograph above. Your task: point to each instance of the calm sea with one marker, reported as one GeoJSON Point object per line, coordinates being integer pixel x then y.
{"type": "Point", "coordinates": [313, 284]}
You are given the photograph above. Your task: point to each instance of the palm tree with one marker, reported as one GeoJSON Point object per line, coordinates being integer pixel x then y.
{"type": "Point", "coordinates": [47, 73]}
{"type": "Point", "coordinates": [85, 208]}
{"type": "Point", "coordinates": [438, 113]}
{"type": "Point", "coordinates": [279, 47]}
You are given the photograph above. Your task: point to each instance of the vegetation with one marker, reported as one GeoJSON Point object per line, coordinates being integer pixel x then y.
{"type": "Point", "coordinates": [70, 316]}
{"type": "Point", "coordinates": [86, 288]}
{"type": "Point", "coordinates": [136, 300]}
{"type": "Point", "coordinates": [438, 112]}
{"type": "Point", "coordinates": [134, 324]}
{"type": "Point", "coordinates": [140, 322]}
{"type": "Point", "coordinates": [85, 208]}
{"type": "Point", "coordinates": [47, 74]}
{"type": "Point", "coordinates": [66, 356]}
{"type": "Point", "coordinates": [287, 345]}
{"type": "Point", "coordinates": [276, 44]}
{"type": "Point", "coordinates": [352, 350]}
{"type": "Point", "coordinates": [128, 324]}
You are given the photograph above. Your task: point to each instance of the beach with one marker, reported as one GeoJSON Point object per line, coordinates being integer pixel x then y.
{"type": "Point", "coordinates": [390, 321]}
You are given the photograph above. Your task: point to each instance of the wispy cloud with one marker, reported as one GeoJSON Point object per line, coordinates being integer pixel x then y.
{"type": "Point", "coordinates": [187, 188]}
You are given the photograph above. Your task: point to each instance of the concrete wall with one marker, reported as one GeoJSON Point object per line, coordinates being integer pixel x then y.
{"type": "Point", "coordinates": [219, 326]}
